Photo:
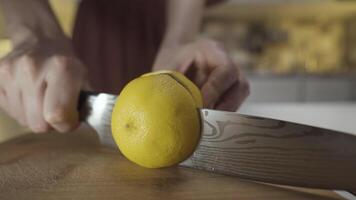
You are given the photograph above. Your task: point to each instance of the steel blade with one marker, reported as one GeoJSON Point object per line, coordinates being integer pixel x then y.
{"type": "Point", "coordinates": [96, 109]}
{"type": "Point", "coordinates": [275, 151]}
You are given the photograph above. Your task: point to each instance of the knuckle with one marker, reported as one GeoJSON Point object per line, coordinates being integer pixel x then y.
{"type": "Point", "coordinates": [214, 84]}
{"type": "Point", "coordinates": [232, 75]}
{"type": "Point", "coordinates": [61, 60]}
{"type": "Point", "coordinates": [65, 129]}
{"type": "Point", "coordinates": [220, 46]}
{"type": "Point", "coordinates": [27, 65]}
{"type": "Point", "coordinates": [214, 44]}
{"type": "Point", "coordinates": [245, 87]}
{"type": "Point", "coordinates": [63, 69]}
{"type": "Point", "coordinates": [224, 62]}
{"type": "Point", "coordinates": [40, 128]}
{"type": "Point", "coordinates": [69, 66]}
{"type": "Point", "coordinates": [5, 69]}
{"type": "Point", "coordinates": [26, 58]}
{"type": "Point", "coordinates": [57, 116]}
{"type": "Point", "coordinates": [29, 68]}
{"type": "Point", "coordinates": [61, 64]}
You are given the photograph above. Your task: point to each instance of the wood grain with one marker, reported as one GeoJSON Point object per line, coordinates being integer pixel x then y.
{"type": "Point", "coordinates": [74, 166]}
{"type": "Point", "coordinates": [275, 151]}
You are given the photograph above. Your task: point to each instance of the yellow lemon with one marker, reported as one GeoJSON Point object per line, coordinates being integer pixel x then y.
{"type": "Point", "coordinates": [156, 121]}
{"type": "Point", "coordinates": [185, 82]}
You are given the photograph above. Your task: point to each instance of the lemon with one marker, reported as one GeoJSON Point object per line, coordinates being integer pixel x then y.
{"type": "Point", "coordinates": [156, 121]}
{"type": "Point", "coordinates": [195, 92]}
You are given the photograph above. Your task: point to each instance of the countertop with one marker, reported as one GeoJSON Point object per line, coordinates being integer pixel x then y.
{"type": "Point", "coordinates": [339, 116]}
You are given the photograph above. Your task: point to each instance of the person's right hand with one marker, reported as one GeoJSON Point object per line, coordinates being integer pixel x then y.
{"type": "Point", "coordinates": [40, 86]}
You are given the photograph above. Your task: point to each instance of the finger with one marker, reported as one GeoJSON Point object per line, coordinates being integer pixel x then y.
{"type": "Point", "coordinates": [201, 77]}
{"type": "Point", "coordinates": [223, 72]}
{"type": "Point", "coordinates": [33, 104]}
{"type": "Point", "coordinates": [5, 76]}
{"type": "Point", "coordinates": [15, 104]}
{"type": "Point", "coordinates": [196, 72]}
{"type": "Point", "coordinates": [61, 97]}
{"type": "Point", "coordinates": [234, 97]}
{"type": "Point", "coordinates": [32, 86]}
{"type": "Point", "coordinates": [3, 103]}
{"type": "Point", "coordinates": [184, 62]}
{"type": "Point", "coordinates": [178, 60]}
{"type": "Point", "coordinates": [219, 81]}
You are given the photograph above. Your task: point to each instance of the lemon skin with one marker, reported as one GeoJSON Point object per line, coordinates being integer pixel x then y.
{"type": "Point", "coordinates": [156, 121]}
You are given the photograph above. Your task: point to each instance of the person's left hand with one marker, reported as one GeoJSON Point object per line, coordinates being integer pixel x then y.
{"type": "Point", "coordinates": [207, 64]}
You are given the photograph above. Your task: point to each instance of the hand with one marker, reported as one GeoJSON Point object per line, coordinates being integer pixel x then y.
{"type": "Point", "coordinates": [207, 64]}
{"type": "Point", "coordinates": [40, 85]}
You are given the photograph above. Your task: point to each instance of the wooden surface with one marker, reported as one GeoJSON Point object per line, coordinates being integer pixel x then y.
{"type": "Point", "coordinates": [9, 128]}
{"type": "Point", "coordinates": [74, 166]}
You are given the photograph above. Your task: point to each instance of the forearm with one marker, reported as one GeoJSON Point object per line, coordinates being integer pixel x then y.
{"type": "Point", "coordinates": [30, 21]}
{"type": "Point", "coordinates": [183, 21]}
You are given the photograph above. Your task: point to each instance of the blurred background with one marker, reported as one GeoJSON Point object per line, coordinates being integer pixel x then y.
{"type": "Point", "coordinates": [292, 51]}
{"type": "Point", "coordinates": [299, 55]}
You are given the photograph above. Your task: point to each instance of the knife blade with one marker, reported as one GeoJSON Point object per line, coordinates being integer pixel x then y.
{"type": "Point", "coordinates": [254, 148]}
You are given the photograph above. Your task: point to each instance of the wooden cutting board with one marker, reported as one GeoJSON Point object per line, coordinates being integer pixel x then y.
{"type": "Point", "coordinates": [75, 166]}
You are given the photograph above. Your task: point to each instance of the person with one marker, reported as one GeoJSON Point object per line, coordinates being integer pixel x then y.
{"type": "Point", "coordinates": [113, 42]}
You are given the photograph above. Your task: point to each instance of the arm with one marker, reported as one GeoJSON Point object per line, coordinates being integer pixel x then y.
{"type": "Point", "coordinates": [40, 79]}
{"type": "Point", "coordinates": [204, 61]}
{"type": "Point", "coordinates": [183, 21]}
{"type": "Point", "coordinates": [30, 21]}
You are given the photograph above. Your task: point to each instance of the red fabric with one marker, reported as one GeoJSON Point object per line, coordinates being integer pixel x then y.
{"type": "Point", "coordinates": [118, 39]}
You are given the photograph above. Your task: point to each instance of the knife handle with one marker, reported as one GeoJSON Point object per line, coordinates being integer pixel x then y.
{"type": "Point", "coordinates": [82, 101]}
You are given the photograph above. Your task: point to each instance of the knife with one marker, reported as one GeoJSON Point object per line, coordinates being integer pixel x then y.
{"type": "Point", "coordinates": [253, 148]}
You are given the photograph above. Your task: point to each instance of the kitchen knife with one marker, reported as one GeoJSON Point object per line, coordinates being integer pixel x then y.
{"type": "Point", "coordinates": [254, 148]}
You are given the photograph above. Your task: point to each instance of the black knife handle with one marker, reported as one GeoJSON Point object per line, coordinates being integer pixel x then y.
{"type": "Point", "coordinates": [82, 103]}
{"type": "Point", "coordinates": [83, 97]}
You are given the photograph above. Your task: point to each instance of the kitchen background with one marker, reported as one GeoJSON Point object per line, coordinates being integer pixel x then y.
{"type": "Point", "coordinates": [292, 51]}
{"type": "Point", "coordinates": [299, 56]}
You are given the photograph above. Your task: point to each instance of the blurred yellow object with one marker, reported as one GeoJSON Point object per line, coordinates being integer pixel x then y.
{"type": "Point", "coordinates": [65, 10]}
{"type": "Point", "coordinates": [155, 121]}
{"type": "Point", "coordinates": [5, 47]}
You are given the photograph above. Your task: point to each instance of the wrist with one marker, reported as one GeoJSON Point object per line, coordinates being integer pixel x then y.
{"type": "Point", "coordinates": [27, 36]}
{"type": "Point", "coordinates": [173, 42]}
{"type": "Point", "coordinates": [52, 45]}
